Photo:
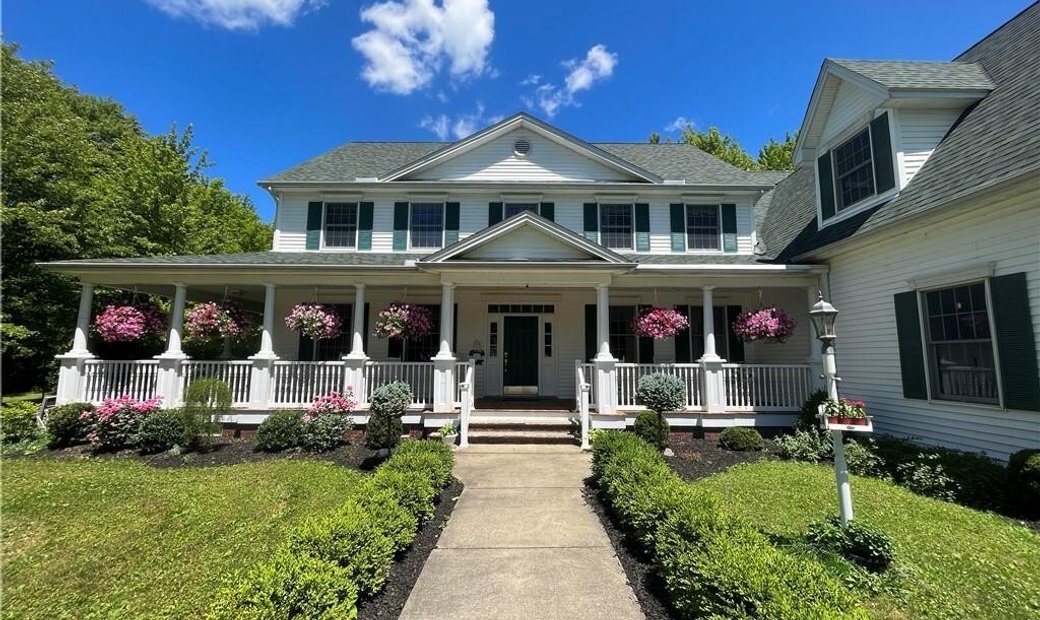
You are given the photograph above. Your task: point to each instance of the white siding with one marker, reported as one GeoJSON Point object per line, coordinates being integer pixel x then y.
{"type": "Point", "coordinates": [291, 225]}
{"type": "Point", "coordinates": [1000, 229]}
{"type": "Point", "coordinates": [920, 131]}
{"type": "Point", "coordinates": [851, 106]}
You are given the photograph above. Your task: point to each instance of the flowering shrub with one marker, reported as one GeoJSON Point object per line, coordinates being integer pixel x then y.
{"type": "Point", "coordinates": [402, 320]}
{"type": "Point", "coordinates": [770, 324]}
{"type": "Point", "coordinates": [211, 320]}
{"type": "Point", "coordinates": [331, 403]}
{"type": "Point", "coordinates": [115, 423]}
{"type": "Point", "coordinates": [129, 323]}
{"type": "Point", "coordinates": [845, 408]}
{"type": "Point", "coordinates": [315, 321]}
{"type": "Point", "coordinates": [659, 323]}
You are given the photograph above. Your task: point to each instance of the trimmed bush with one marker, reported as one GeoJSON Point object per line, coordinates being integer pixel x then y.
{"type": "Point", "coordinates": [652, 427]}
{"type": "Point", "coordinates": [351, 539]}
{"type": "Point", "coordinates": [412, 489]}
{"type": "Point", "coordinates": [430, 457]}
{"type": "Point", "coordinates": [325, 431]}
{"type": "Point", "coordinates": [860, 542]}
{"type": "Point", "coordinates": [281, 430]}
{"type": "Point", "coordinates": [807, 419]}
{"type": "Point", "coordinates": [386, 406]}
{"type": "Point", "coordinates": [289, 587]}
{"type": "Point", "coordinates": [64, 425]}
{"type": "Point", "coordinates": [741, 439]}
{"type": "Point", "coordinates": [396, 522]}
{"type": "Point", "coordinates": [810, 446]}
{"type": "Point", "coordinates": [160, 431]}
{"type": "Point", "coordinates": [19, 421]}
{"type": "Point", "coordinates": [205, 400]}
{"type": "Point", "coordinates": [661, 393]}
{"type": "Point", "coordinates": [1024, 482]}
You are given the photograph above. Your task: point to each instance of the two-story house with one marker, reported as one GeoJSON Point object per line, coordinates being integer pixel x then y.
{"type": "Point", "coordinates": [914, 207]}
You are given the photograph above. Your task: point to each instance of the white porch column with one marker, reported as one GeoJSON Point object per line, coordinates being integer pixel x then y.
{"type": "Point", "coordinates": [73, 363]}
{"type": "Point", "coordinates": [354, 375]}
{"type": "Point", "coordinates": [606, 364]}
{"type": "Point", "coordinates": [444, 361]}
{"type": "Point", "coordinates": [711, 363]}
{"type": "Point", "coordinates": [168, 380]}
{"type": "Point", "coordinates": [263, 360]}
{"type": "Point", "coordinates": [817, 381]}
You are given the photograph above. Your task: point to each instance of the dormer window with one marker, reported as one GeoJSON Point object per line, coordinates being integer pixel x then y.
{"type": "Point", "coordinates": [860, 169]}
{"type": "Point", "coordinates": [341, 224]}
{"type": "Point", "coordinates": [854, 170]}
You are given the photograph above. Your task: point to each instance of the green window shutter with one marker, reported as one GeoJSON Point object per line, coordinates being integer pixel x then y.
{"type": "Point", "coordinates": [1016, 342]}
{"type": "Point", "coordinates": [729, 228]}
{"type": "Point", "coordinates": [682, 339]}
{"type": "Point", "coordinates": [646, 345]}
{"type": "Point", "coordinates": [591, 221]}
{"type": "Point", "coordinates": [494, 213]}
{"type": "Point", "coordinates": [400, 226]}
{"type": "Point", "coordinates": [547, 210]}
{"type": "Point", "coordinates": [678, 226]}
{"type": "Point", "coordinates": [881, 145]}
{"type": "Point", "coordinates": [911, 354]}
{"type": "Point", "coordinates": [451, 223]}
{"type": "Point", "coordinates": [736, 346]}
{"type": "Point", "coordinates": [365, 216]}
{"type": "Point", "coordinates": [305, 349]}
{"type": "Point", "coordinates": [314, 210]}
{"type": "Point", "coordinates": [590, 332]}
{"type": "Point", "coordinates": [826, 180]}
{"type": "Point", "coordinates": [642, 228]}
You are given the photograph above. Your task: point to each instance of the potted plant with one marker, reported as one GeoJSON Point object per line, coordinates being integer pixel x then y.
{"type": "Point", "coordinates": [448, 433]}
{"type": "Point", "coordinates": [659, 323]}
{"type": "Point", "coordinates": [210, 320]}
{"type": "Point", "coordinates": [129, 323]}
{"type": "Point", "coordinates": [403, 320]}
{"type": "Point", "coordinates": [844, 411]}
{"type": "Point", "coordinates": [769, 323]}
{"type": "Point", "coordinates": [313, 320]}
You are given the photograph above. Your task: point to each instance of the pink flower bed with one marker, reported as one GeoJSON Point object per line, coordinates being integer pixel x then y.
{"type": "Point", "coordinates": [331, 403]}
{"type": "Point", "coordinates": [212, 320]}
{"type": "Point", "coordinates": [659, 323]}
{"type": "Point", "coordinates": [403, 320]}
{"type": "Point", "coordinates": [114, 424]}
{"type": "Point", "coordinates": [770, 324]}
{"type": "Point", "coordinates": [315, 321]}
{"type": "Point", "coordinates": [129, 323]}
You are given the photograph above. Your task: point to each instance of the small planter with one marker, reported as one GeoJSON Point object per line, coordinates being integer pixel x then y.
{"type": "Point", "coordinates": [449, 440]}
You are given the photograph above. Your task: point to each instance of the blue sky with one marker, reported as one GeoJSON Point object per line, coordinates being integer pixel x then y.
{"type": "Point", "coordinates": [269, 83]}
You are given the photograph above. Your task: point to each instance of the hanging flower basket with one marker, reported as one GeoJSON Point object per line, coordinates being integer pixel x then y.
{"type": "Point", "coordinates": [129, 323]}
{"type": "Point", "coordinates": [770, 324]}
{"type": "Point", "coordinates": [315, 321]}
{"type": "Point", "coordinates": [211, 320]}
{"type": "Point", "coordinates": [659, 323]}
{"type": "Point", "coordinates": [403, 320]}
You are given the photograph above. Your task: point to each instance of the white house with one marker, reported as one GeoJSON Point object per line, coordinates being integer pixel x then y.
{"type": "Point", "coordinates": [917, 185]}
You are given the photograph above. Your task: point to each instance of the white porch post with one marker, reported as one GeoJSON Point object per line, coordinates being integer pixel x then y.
{"type": "Point", "coordinates": [72, 363]}
{"type": "Point", "coordinates": [168, 380]}
{"type": "Point", "coordinates": [354, 374]}
{"type": "Point", "coordinates": [711, 363]}
{"type": "Point", "coordinates": [444, 361]}
{"type": "Point", "coordinates": [606, 364]}
{"type": "Point", "coordinates": [817, 381]}
{"type": "Point", "coordinates": [263, 360]}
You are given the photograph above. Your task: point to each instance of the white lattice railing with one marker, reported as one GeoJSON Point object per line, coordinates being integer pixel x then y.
{"type": "Point", "coordinates": [418, 375]}
{"type": "Point", "coordinates": [297, 383]}
{"type": "Point", "coordinates": [114, 378]}
{"type": "Point", "coordinates": [236, 373]}
{"type": "Point", "coordinates": [628, 376]}
{"type": "Point", "coordinates": [766, 387]}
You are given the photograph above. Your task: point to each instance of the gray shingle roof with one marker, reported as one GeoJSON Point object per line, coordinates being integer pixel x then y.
{"type": "Point", "coordinates": [296, 259]}
{"type": "Point", "coordinates": [997, 139]}
{"type": "Point", "coordinates": [914, 74]}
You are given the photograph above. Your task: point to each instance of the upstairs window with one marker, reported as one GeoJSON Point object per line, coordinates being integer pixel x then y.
{"type": "Point", "coordinates": [702, 227]}
{"type": "Point", "coordinates": [854, 170]}
{"type": "Point", "coordinates": [426, 225]}
{"type": "Point", "coordinates": [959, 344]}
{"type": "Point", "coordinates": [341, 224]}
{"type": "Point", "coordinates": [513, 208]}
{"type": "Point", "coordinates": [857, 170]}
{"type": "Point", "coordinates": [616, 226]}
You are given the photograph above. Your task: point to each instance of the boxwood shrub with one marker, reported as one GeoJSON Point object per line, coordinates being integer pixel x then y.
{"type": "Point", "coordinates": [430, 457]}
{"type": "Point", "coordinates": [281, 430]}
{"type": "Point", "coordinates": [160, 431]}
{"type": "Point", "coordinates": [652, 427]}
{"type": "Point", "coordinates": [741, 439]}
{"type": "Point", "coordinates": [64, 426]}
{"type": "Point", "coordinates": [412, 489]}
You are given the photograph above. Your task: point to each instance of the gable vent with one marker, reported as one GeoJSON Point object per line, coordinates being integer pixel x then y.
{"type": "Point", "coordinates": [522, 147]}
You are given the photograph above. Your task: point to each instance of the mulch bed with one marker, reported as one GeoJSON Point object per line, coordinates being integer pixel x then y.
{"type": "Point", "coordinates": [698, 458]}
{"type": "Point", "coordinates": [390, 601]}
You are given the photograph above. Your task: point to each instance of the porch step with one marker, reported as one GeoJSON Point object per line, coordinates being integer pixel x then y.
{"type": "Point", "coordinates": [522, 435]}
{"type": "Point", "coordinates": [521, 419]}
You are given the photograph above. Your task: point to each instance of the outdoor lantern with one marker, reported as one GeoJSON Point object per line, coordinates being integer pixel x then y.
{"type": "Point", "coordinates": [822, 317]}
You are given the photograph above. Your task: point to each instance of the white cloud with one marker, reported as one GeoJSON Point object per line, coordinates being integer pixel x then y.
{"type": "Point", "coordinates": [531, 80]}
{"type": "Point", "coordinates": [598, 65]}
{"type": "Point", "coordinates": [679, 124]}
{"type": "Point", "coordinates": [238, 14]}
{"type": "Point", "coordinates": [437, 124]}
{"type": "Point", "coordinates": [410, 40]}
{"type": "Point", "coordinates": [462, 125]}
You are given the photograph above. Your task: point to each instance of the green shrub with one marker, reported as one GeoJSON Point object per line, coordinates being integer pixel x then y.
{"type": "Point", "coordinates": [432, 458]}
{"type": "Point", "coordinates": [860, 542]}
{"type": "Point", "coordinates": [386, 406]}
{"type": "Point", "coordinates": [1024, 482]}
{"type": "Point", "coordinates": [282, 430]}
{"type": "Point", "coordinates": [741, 439]}
{"type": "Point", "coordinates": [289, 587]}
{"type": "Point", "coordinates": [412, 489]}
{"type": "Point", "coordinates": [652, 427]}
{"type": "Point", "coordinates": [350, 538]}
{"type": "Point", "coordinates": [384, 509]}
{"type": "Point", "coordinates": [661, 393]}
{"type": "Point", "coordinates": [205, 400]}
{"type": "Point", "coordinates": [811, 446]}
{"type": "Point", "coordinates": [863, 461]}
{"type": "Point", "coordinates": [160, 431]}
{"type": "Point", "coordinates": [325, 431]}
{"type": "Point", "coordinates": [807, 419]}
{"type": "Point", "coordinates": [925, 476]}
{"type": "Point", "coordinates": [19, 421]}
{"type": "Point", "coordinates": [64, 426]}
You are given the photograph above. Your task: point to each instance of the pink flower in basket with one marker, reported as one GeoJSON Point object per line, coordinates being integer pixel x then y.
{"type": "Point", "coordinates": [403, 320]}
{"type": "Point", "coordinates": [770, 324]}
{"type": "Point", "coordinates": [129, 323]}
{"type": "Point", "coordinates": [212, 320]}
{"type": "Point", "coordinates": [315, 321]}
{"type": "Point", "coordinates": [659, 323]}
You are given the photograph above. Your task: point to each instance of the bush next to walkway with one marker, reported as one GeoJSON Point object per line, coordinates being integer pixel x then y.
{"type": "Point", "coordinates": [713, 564]}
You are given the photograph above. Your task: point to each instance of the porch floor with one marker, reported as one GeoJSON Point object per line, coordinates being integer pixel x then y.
{"type": "Point", "coordinates": [496, 403]}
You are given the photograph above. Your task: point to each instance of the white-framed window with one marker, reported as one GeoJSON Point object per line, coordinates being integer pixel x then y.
{"type": "Point", "coordinates": [340, 225]}
{"type": "Point", "coordinates": [703, 227]}
{"type": "Point", "coordinates": [426, 225]}
{"type": "Point", "coordinates": [624, 344]}
{"type": "Point", "coordinates": [853, 164]}
{"type": "Point", "coordinates": [959, 344]}
{"type": "Point", "coordinates": [513, 208]}
{"type": "Point", "coordinates": [617, 226]}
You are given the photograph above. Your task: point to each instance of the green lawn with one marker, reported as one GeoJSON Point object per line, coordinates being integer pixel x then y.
{"type": "Point", "coordinates": [954, 562]}
{"type": "Point", "coordinates": [32, 396]}
{"type": "Point", "coordinates": [119, 539]}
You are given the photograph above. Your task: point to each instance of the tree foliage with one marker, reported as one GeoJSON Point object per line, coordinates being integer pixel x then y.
{"type": "Point", "coordinates": [772, 156]}
{"type": "Point", "coordinates": [82, 179]}
{"type": "Point", "coordinates": [778, 155]}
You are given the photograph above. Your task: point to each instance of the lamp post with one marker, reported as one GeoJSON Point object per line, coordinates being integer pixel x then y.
{"type": "Point", "coordinates": [822, 316]}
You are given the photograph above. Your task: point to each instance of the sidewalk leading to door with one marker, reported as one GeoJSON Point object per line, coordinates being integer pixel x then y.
{"type": "Point", "coordinates": [522, 543]}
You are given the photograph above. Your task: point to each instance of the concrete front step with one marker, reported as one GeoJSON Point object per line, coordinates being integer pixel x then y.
{"type": "Point", "coordinates": [520, 420]}
{"type": "Point", "coordinates": [520, 434]}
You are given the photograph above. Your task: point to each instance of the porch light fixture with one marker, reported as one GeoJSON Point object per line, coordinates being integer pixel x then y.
{"type": "Point", "coordinates": [823, 316]}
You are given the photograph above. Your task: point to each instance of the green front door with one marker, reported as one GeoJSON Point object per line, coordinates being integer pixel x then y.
{"type": "Point", "coordinates": [520, 355]}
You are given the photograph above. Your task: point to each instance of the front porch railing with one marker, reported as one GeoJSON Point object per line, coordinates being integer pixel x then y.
{"type": "Point", "coordinates": [628, 376]}
{"type": "Point", "coordinates": [236, 373]}
{"type": "Point", "coordinates": [114, 378]}
{"type": "Point", "coordinates": [294, 384]}
{"type": "Point", "coordinates": [766, 387]}
{"type": "Point", "coordinates": [418, 376]}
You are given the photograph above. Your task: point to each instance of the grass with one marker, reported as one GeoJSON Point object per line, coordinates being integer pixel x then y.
{"type": "Point", "coordinates": [119, 539]}
{"type": "Point", "coordinates": [31, 396]}
{"type": "Point", "coordinates": [952, 562]}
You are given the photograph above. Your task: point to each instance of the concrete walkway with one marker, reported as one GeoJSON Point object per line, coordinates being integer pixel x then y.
{"type": "Point", "coordinates": [522, 543]}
